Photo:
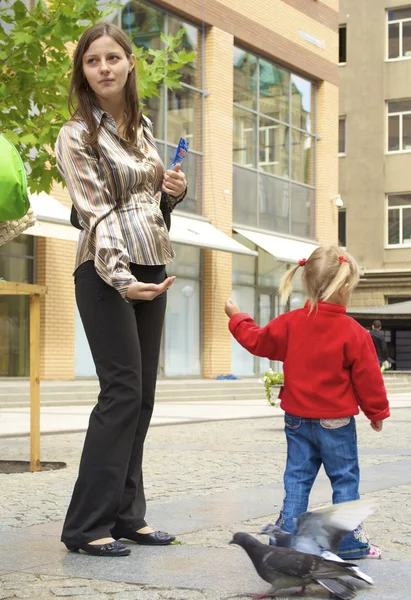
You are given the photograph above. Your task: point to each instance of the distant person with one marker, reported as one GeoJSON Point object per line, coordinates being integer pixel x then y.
{"type": "Point", "coordinates": [330, 372]}
{"type": "Point", "coordinates": [379, 342]}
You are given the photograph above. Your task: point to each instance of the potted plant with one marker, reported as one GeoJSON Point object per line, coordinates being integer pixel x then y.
{"type": "Point", "coordinates": [272, 379]}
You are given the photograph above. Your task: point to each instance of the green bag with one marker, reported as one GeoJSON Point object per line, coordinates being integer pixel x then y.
{"type": "Point", "coordinates": [14, 200]}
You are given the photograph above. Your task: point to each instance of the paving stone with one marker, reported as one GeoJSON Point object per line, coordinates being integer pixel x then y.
{"type": "Point", "coordinates": [137, 595]}
{"type": "Point", "coordinates": [6, 594]}
{"type": "Point", "coordinates": [71, 591]}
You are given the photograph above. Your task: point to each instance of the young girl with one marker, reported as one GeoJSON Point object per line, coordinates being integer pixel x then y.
{"type": "Point", "coordinates": [330, 371]}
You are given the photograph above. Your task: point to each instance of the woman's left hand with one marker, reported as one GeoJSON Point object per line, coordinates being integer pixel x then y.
{"type": "Point", "coordinates": [174, 182]}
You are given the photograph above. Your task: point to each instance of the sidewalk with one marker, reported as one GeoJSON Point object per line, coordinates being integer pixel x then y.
{"type": "Point", "coordinates": [204, 481]}
{"type": "Point", "coordinates": [64, 419]}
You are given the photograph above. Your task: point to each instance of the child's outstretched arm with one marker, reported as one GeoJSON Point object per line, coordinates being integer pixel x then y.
{"type": "Point", "coordinates": [369, 383]}
{"type": "Point", "coordinates": [268, 342]}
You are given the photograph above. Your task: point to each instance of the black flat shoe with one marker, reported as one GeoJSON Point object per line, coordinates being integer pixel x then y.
{"type": "Point", "coordinates": [156, 538]}
{"type": "Point", "coordinates": [111, 549]}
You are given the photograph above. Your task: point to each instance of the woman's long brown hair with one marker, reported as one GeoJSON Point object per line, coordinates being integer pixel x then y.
{"type": "Point", "coordinates": [81, 99]}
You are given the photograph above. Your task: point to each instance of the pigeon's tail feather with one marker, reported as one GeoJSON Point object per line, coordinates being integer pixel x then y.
{"type": "Point", "coordinates": [360, 575]}
{"type": "Point", "coordinates": [340, 588]}
{"type": "Point", "coordinates": [355, 571]}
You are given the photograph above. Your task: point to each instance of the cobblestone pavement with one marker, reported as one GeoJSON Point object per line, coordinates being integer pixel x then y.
{"type": "Point", "coordinates": [192, 460]}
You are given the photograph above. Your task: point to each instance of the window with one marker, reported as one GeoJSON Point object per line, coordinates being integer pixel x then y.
{"type": "Point", "coordinates": [342, 228]}
{"type": "Point", "coordinates": [273, 147]}
{"type": "Point", "coordinates": [174, 113]}
{"type": "Point", "coordinates": [399, 219]}
{"type": "Point", "coordinates": [16, 264]}
{"type": "Point", "coordinates": [399, 33]}
{"type": "Point", "coordinates": [396, 299]}
{"type": "Point", "coordinates": [342, 142]}
{"type": "Point", "coordinates": [342, 45]}
{"type": "Point", "coordinates": [399, 125]}
{"type": "Point", "coordinates": [181, 341]}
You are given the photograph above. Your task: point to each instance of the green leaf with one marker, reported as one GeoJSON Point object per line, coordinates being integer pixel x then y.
{"type": "Point", "coordinates": [21, 37]}
{"type": "Point", "coordinates": [29, 139]}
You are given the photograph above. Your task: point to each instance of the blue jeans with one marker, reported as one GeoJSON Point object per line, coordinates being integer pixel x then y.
{"type": "Point", "coordinates": [310, 445]}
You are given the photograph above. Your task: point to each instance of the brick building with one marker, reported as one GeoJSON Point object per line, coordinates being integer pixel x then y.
{"type": "Point", "coordinates": [260, 108]}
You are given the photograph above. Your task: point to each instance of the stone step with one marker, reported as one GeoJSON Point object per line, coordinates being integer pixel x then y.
{"type": "Point", "coordinates": [16, 393]}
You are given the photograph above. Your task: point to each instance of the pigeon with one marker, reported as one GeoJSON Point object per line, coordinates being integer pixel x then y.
{"type": "Point", "coordinates": [320, 531]}
{"type": "Point", "coordinates": [285, 568]}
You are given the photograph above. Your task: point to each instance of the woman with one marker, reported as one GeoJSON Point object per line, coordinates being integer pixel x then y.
{"type": "Point", "coordinates": [115, 177]}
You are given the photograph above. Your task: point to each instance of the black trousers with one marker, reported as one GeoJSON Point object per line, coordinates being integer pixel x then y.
{"type": "Point", "coordinates": [108, 497]}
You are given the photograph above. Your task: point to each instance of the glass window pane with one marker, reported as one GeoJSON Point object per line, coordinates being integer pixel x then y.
{"type": "Point", "coordinates": [274, 91]}
{"type": "Point", "coordinates": [187, 262]}
{"type": "Point", "coordinates": [399, 13]}
{"type": "Point", "coordinates": [245, 79]}
{"type": "Point", "coordinates": [245, 138]}
{"type": "Point", "coordinates": [399, 199]}
{"type": "Point", "coordinates": [302, 211]}
{"type": "Point", "coordinates": [342, 46]}
{"type": "Point", "coordinates": [302, 155]}
{"type": "Point", "coordinates": [406, 39]}
{"type": "Point", "coordinates": [406, 225]}
{"type": "Point", "coordinates": [393, 40]}
{"type": "Point", "coordinates": [242, 362]}
{"type": "Point", "coordinates": [393, 133]}
{"type": "Point", "coordinates": [341, 136]}
{"type": "Point", "coordinates": [144, 24]}
{"type": "Point", "coordinates": [17, 269]}
{"type": "Point", "coordinates": [191, 42]}
{"type": "Point", "coordinates": [302, 96]}
{"type": "Point", "coordinates": [184, 117]}
{"type": "Point", "coordinates": [270, 270]}
{"type": "Point", "coordinates": [274, 203]}
{"type": "Point", "coordinates": [20, 246]}
{"type": "Point", "coordinates": [393, 226]}
{"type": "Point", "coordinates": [397, 106]}
{"type": "Point", "coordinates": [244, 266]}
{"type": "Point", "coordinates": [245, 197]}
{"type": "Point", "coordinates": [182, 329]}
{"type": "Point", "coordinates": [14, 336]}
{"type": "Point", "coordinates": [406, 132]}
{"type": "Point", "coordinates": [274, 147]}
{"type": "Point", "coordinates": [193, 170]}
{"type": "Point", "coordinates": [342, 228]}
{"type": "Point", "coordinates": [154, 109]}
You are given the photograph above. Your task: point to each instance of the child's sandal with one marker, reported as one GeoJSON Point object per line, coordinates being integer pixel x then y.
{"type": "Point", "coordinates": [374, 552]}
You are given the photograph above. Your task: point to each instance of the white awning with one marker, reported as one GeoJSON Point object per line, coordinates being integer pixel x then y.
{"type": "Point", "coordinates": [194, 232]}
{"type": "Point", "coordinates": [53, 218]}
{"type": "Point", "coordinates": [284, 249]}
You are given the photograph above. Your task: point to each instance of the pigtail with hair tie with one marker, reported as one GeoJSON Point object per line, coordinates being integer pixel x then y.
{"type": "Point", "coordinates": [302, 262]}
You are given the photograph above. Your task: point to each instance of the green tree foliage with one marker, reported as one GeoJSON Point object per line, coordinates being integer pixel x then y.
{"type": "Point", "coordinates": [35, 68]}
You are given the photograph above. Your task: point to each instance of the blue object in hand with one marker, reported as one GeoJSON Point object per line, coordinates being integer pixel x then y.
{"type": "Point", "coordinates": [181, 152]}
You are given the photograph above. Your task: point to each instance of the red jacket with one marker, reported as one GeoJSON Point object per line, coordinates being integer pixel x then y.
{"type": "Point", "coordinates": [330, 364]}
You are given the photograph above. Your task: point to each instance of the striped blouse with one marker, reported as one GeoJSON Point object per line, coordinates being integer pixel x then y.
{"type": "Point", "coordinates": [116, 193]}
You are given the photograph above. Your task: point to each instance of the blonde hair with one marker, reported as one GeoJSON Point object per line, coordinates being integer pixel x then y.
{"type": "Point", "coordinates": [325, 272]}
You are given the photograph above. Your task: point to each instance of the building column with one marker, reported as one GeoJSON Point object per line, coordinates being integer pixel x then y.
{"type": "Point", "coordinates": [217, 197]}
{"type": "Point", "coordinates": [327, 164]}
{"type": "Point", "coordinates": [54, 269]}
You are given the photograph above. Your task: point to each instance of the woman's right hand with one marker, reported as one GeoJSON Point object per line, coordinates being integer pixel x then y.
{"type": "Point", "coordinates": [148, 291]}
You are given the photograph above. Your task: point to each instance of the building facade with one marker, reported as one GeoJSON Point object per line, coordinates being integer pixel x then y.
{"type": "Point", "coordinates": [259, 106]}
{"type": "Point", "coordinates": [375, 154]}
